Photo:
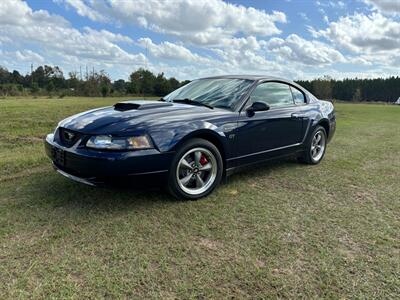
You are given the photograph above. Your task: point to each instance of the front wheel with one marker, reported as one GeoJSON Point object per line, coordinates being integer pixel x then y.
{"type": "Point", "coordinates": [195, 170]}
{"type": "Point", "coordinates": [315, 149]}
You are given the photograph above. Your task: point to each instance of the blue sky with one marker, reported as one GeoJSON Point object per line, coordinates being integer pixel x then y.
{"type": "Point", "coordinates": [297, 39]}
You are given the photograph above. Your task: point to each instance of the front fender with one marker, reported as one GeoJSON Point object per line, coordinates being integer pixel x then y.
{"type": "Point", "coordinates": [169, 136]}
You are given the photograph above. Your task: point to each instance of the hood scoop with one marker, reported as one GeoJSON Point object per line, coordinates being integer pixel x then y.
{"type": "Point", "coordinates": [140, 105]}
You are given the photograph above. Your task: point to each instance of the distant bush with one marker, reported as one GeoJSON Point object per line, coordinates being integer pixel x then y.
{"type": "Point", "coordinates": [62, 95]}
{"type": "Point", "coordinates": [10, 89]}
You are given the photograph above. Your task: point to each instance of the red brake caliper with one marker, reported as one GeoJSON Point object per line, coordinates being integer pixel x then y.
{"type": "Point", "coordinates": [203, 160]}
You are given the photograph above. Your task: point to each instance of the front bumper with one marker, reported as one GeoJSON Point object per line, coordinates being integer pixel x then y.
{"type": "Point", "coordinates": [92, 166]}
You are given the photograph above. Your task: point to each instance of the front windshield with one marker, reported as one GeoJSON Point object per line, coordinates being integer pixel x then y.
{"type": "Point", "coordinates": [223, 92]}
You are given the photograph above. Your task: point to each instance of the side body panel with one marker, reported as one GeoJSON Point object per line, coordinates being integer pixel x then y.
{"type": "Point", "coordinates": [267, 130]}
{"type": "Point", "coordinates": [278, 132]}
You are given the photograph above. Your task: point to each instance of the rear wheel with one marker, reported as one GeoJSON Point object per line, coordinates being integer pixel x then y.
{"type": "Point", "coordinates": [315, 149]}
{"type": "Point", "coordinates": [196, 170]}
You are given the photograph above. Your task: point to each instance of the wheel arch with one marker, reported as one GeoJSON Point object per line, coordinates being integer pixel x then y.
{"type": "Point", "coordinates": [325, 124]}
{"type": "Point", "coordinates": [208, 135]}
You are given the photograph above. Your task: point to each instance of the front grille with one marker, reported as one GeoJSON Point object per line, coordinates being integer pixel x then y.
{"type": "Point", "coordinates": [67, 137]}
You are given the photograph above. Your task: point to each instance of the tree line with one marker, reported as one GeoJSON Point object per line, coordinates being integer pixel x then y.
{"type": "Point", "coordinates": [377, 89]}
{"type": "Point", "coordinates": [50, 80]}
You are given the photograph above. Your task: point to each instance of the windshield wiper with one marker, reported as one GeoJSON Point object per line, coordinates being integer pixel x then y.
{"type": "Point", "coordinates": [190, 101]}
{"type": "Point", "coordinates": [224, 107]}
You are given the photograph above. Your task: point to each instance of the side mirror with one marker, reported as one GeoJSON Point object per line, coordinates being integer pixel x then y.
{"type": "Point", "coordinates": [257, 106]}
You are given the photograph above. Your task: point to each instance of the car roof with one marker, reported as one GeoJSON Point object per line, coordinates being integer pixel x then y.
{"type": "Point", "coordinates": [248, 77]}
{"type": "Point", "coordinates": [261, 78]}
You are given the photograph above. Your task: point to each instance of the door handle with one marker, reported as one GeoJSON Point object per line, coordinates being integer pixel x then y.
{"type": "Point", "coordinates": [296, 116]}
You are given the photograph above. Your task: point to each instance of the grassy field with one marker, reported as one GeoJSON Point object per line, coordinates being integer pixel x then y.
{"type": "Point", "coordinates": [284, 230]}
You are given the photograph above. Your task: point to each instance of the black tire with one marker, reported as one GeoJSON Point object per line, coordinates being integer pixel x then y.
{"type": "Point", "coordinates": [175, 188]}
{"type": "Point", "coordinates": [307, 156]}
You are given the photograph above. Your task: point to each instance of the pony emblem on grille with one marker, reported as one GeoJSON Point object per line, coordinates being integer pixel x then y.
{"type": "Point", "coordinates": [68, 136]}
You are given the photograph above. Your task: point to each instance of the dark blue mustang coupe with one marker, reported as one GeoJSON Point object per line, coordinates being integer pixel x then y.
{"type": "Point", "coordinates": [196, 135]}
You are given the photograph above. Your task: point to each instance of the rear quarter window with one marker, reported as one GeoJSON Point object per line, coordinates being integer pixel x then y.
{"type": "Point", "coordinates": [298, 96]}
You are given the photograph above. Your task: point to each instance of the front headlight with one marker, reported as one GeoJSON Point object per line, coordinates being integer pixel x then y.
{"type": "Point", "coordinates": [119, 143]}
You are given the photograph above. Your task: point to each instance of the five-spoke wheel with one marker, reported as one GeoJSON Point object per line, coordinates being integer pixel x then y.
{"type": "Point", "coordinates": [315, 148]}
{"type": "Point", "coordinates": [318, 145]}
{"type": "Point", "coordinates": [196, 169]}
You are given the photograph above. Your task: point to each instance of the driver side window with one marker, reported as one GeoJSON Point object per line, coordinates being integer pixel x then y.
{"type": "Point", "coordinates": [274, 94]}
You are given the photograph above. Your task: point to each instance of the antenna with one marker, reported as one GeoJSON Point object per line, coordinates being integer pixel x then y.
{"type": "Point", "coordinates": [31, 74]}
{"type": "Point", "coordinates": [144, 95]}
{"type": "Point", "coordinates": [147, 54]}
{"type": "Point", "coordinates": [145, 66]}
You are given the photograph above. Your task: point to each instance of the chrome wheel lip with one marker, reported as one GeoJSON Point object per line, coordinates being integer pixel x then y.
{"type": "Point", "coordinates": [318, 144]}
{"type": "Point", "coordinates": [210, 168]}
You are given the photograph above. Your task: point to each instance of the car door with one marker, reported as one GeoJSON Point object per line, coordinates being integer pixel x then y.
{"type": "Point", "coordinates": [264, 133]}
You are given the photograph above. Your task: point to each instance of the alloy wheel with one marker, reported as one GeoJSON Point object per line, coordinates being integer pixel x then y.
{"type": "Point", "coordinates": [196, 171]}
{"type": "Point", "coordinates": [318, 145]}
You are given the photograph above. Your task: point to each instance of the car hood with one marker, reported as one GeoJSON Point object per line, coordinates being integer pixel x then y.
{"type": "Point", "coordinates": [137, 115]}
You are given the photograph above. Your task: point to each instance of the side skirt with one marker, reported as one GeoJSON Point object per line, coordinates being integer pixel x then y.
{"type": "Point", "coordinates": [233, 170]}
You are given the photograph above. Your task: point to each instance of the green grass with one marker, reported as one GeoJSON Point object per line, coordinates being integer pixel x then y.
{"type": "Point", "coordinates": [284, 230]}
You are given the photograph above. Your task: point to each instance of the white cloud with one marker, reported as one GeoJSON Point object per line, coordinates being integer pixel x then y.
{"type": "Point", "coordinates": [331, 4]}
{"type": "Point", "coordinates": [245, 54]}
{"type": "Point", "coordinates": [299, 50]}
{"type": "Point", "coordinates": [54, 37]}
{"type": "Point", "coordinates": [198, 21]}
{"type": "Point", "coordinates": [361, 33]}
{"type": "Point", "coordinates": [24, 57]}
{"type": "Point", "coordinates": [170, 51]}
{"type": "Point", "coordinates": [391, 7]}
{"type": "Point", "coordinates": [371, 40]}
{"type": "Point", "coordinates": [375, 39]}
{"type": "Point", "coordinates": [29, 56]}
{"type": "Point", "coordinates": [236, 55]}
{"type": "Point", "coordinates": [84, 10]}
{"type": "Point", "coordinates": [107, 35]}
